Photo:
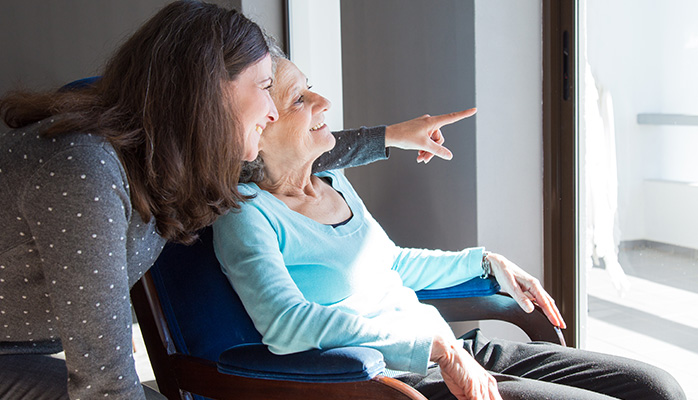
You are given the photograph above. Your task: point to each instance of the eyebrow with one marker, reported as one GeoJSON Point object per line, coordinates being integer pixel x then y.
{"type": "Point", "coordinates": [291, 91]}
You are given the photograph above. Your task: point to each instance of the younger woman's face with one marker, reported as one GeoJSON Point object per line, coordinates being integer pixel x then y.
{"type": "Point", "coordinates": [253, 104]}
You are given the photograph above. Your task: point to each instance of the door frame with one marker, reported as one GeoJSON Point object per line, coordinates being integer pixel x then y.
{"type": "Point", "coordinates": [560, 177]}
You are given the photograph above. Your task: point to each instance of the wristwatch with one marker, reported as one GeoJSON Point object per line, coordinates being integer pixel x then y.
{"type": "Point", "coordinates": [486, 266]}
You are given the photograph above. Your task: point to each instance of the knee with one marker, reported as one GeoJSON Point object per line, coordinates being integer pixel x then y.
{"type": "Point", "coordinates": [662, 384]}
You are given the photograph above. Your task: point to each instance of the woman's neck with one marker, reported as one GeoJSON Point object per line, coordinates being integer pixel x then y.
{"type": "Point", "coordinates": [292, 182]}
{"type": "Point", "coordinates": [305, 193]}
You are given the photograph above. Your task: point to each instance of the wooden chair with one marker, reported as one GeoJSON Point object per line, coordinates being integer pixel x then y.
{"type": "Point", "coordinates": [201, 342]}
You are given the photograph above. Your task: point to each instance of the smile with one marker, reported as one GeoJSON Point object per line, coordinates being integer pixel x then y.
{"type": "Point", "coordinates": [318, 126]}
{"type": "Point", "coordinates": [259, 129]}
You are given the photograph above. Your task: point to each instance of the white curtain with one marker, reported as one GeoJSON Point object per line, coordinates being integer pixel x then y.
{"type": "Point", "coordinates": [601, 180]}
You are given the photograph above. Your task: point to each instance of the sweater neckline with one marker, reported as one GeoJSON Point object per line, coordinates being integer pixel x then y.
{"type": "Point", "coordinates": [349, 196]}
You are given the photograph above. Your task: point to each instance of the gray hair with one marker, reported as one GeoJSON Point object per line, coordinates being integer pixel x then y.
{"type": "Point", "coordinates": [252, 171]}
{"type": "Point", "coordinates": [274, 49]}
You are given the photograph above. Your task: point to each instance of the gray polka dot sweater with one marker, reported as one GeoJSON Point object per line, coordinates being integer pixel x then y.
{"type": "Point", "coordinates": [72, 246]}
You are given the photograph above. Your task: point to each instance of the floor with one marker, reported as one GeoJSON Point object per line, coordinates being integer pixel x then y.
{"type": "Point", "coordinates": [140, 354]}
{"type": "Point", "coordinates": [656, 320]}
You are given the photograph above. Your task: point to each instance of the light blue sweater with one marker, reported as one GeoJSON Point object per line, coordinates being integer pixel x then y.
{"type": "Point", "coordinates": [307, 285]}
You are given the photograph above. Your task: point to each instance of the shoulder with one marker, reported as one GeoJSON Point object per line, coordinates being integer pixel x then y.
{"type": "Point", "coordinates": [28, 150]}
{"type": "Point", "coordinates": [251, 226]}
{"type": "Point", "coordinates": [249, 189]}
{"type": "Point", "coordinates": [251, 210]}
{"type": "Point", "coordinates": [27, 156]}
{"type": "Point", "coordinates": [64, 169]}
{"type": "Point", "coordinates": [83, 160]}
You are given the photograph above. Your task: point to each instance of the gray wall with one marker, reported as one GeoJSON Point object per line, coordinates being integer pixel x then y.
{"type": "Point", "coordinates": [402, 59]}
{"type": "Point", "coordinates": [47, 43]}
{"type": "Point", "coordinates": [44, 44]}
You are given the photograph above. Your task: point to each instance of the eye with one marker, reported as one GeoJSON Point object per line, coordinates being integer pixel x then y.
{"type": "Point", "coordinates": [299, 100]}
{"type": "Point", "coordinates": [270, 85]}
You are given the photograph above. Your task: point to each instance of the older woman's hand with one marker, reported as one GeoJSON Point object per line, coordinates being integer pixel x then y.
{"type": "Point", "coordinates": [464, 377]}
{"type": "Point", "coordinates": [524, 288]}
{"type": "Point", "coordinates": [424, 134]}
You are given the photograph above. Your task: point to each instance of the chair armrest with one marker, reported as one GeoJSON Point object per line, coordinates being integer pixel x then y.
{"type": "Point", "coordinates": [344, 364]}
{"type": "Point", "coordinates": [499, 306]}
{"type": "Point", "coordinates": [475, 287]}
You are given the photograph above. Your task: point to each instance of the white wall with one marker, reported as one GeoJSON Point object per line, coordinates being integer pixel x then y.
{"type": "Point", "coordinates": [671, 212]}
{"type": "Point", "coordinates": [508, 56]}
{"type": "Point", "coordinates": [316, 48]}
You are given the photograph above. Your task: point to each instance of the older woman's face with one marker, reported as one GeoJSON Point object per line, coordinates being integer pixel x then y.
{"type": "Point", "coordinates": [253, 104]}
{"type": "Point", "coordinates": [300, 133]}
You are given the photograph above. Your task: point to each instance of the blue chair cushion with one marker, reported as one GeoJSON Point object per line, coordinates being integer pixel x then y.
{"type": "Point", "coordinates": [344, 364]}
{"type": "Point", "coordinates": [475, 287]}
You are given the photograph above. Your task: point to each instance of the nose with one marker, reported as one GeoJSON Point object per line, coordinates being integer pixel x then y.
{"type": "Point", "coordinates": [273, 114]}
{"type": "Point", "coordinates": [322, 104]}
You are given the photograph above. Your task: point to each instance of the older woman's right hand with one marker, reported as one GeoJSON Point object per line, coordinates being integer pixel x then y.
{"type": "Point", "coordinates": [465, 378]}
{"type": "Point", "coordinates": [524, 288]}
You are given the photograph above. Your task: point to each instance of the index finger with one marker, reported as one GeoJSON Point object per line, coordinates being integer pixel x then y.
{"type": "Point", "coordinates": [445, 119]}
{"type": "Point", "coordinates": [547, 304]}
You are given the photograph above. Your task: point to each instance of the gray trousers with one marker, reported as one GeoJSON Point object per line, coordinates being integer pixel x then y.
{"type": "Point", "coordinates": [535, 371]}
{"type": "Point", "coordinates": [40, 377]}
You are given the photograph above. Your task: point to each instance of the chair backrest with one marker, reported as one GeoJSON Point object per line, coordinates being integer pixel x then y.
{"type": "Point", "coordinates": [80, 84]}
{"type": "Point", "coordinates": [204, 314]}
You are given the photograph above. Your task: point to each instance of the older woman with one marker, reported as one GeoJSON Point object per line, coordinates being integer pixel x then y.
{"type": "Point", "coordinates": [315, 270]}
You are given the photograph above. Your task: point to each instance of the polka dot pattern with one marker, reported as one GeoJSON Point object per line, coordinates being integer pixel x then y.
{"type": "Point", "coordinates": [354, 148]}
{"type": "Point", "coordinates": [70, 250]}
{"type": "Point", "coordinates": [72, 247]}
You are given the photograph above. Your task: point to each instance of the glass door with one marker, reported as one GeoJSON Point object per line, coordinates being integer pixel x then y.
{"type": "Point", "coordinates": [637, 161]}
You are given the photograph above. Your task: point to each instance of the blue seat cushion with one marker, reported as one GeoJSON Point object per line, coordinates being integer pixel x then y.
{"type": "Point", "coordinates": [345, 364]}
{"type": "Point", "coordinates": [475, 287]}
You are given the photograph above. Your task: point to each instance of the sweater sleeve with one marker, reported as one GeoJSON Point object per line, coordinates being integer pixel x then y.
{"type": "Point", "coordinates": [436, 269]}
{"type": "Point", "coordinates": [353, 148]}
{"type": "Point", "coordinates": [248, 248]}
{"type": "Point", "coordinates": [78, 207]}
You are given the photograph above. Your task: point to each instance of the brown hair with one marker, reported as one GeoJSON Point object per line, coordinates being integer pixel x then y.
{"type": "Point", "coordinates": [160, 104]}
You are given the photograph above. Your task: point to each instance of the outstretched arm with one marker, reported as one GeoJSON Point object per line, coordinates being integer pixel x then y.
{"type": "Point", "coordinates": [354, 147]}
{"type": "Point", "coordinates": [365, 145]}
